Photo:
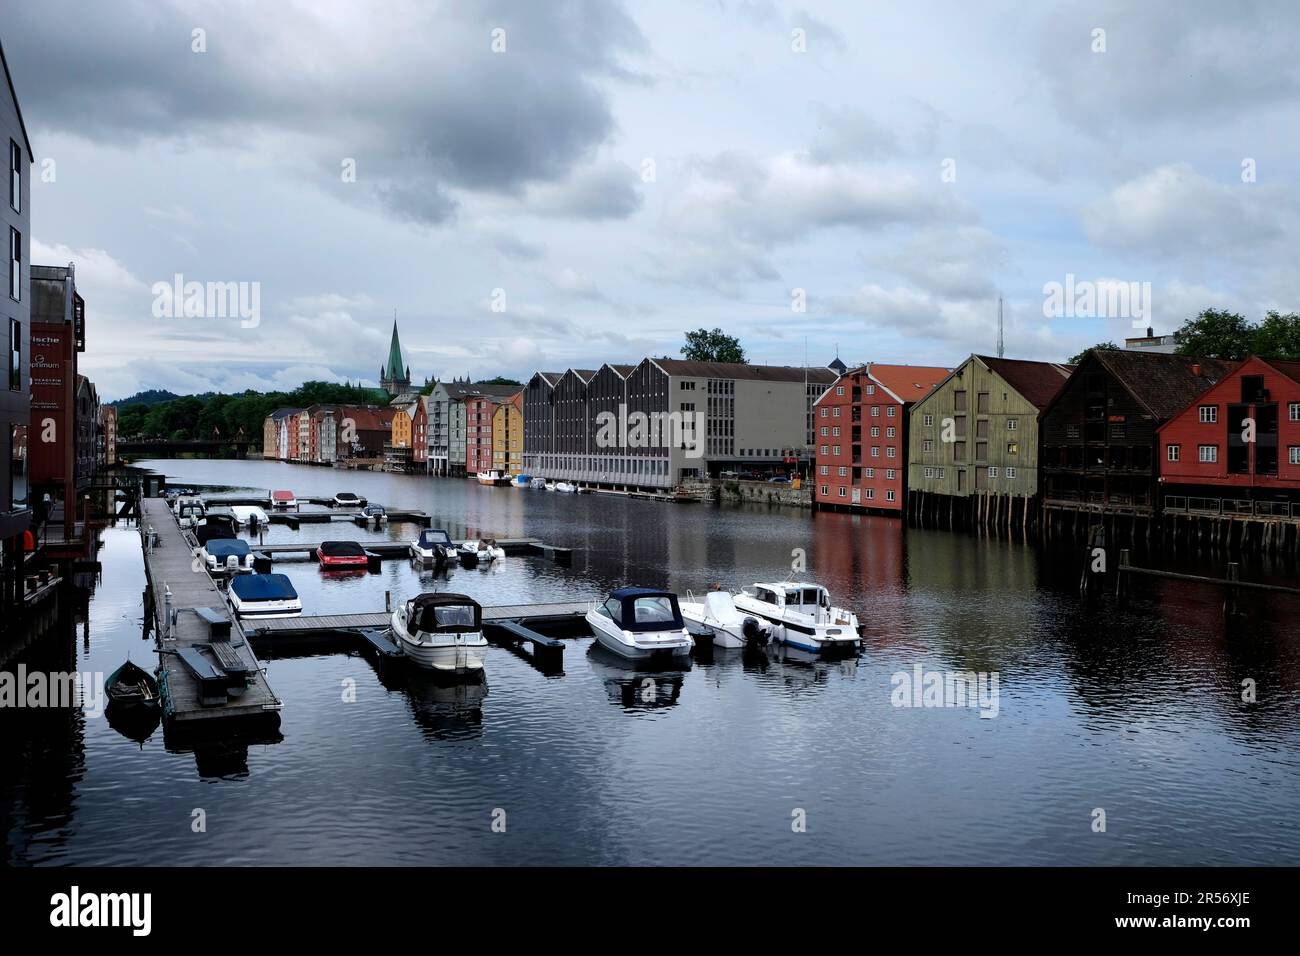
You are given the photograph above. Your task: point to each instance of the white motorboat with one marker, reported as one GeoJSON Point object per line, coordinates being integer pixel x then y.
{"type": "Point", "coordinates": [493, 478]}
{"type": "Point", "coordinates": [261, 596]}
{"type": "Point", "coordinates": [188, 512]}
{"type": "Point", "coordinates": [249, 516]}
{"type": "Point", "coordinates": [800, 614]}
{"type": "Point", "coordinates": [346, 499]}
{"type": "Point", "coordinates": [640, 624]}
{"type": "Point", "coordinates": [227, 556]}
{"type": "Point", "coordinates": [522, 481]}
{"type": "Point", "coordinates": [537, 483]}
{"type": "Point", "coordinates": [562, 486]}
{"type": "Point", "coordinates": [485, 549]}
{"type": "Point", "coordinates": [731, 627]}
{"type": "Point", "coordinates": [441, 632]}
{"type": "Point", "coordinates": [283, 498]}
{"type": "Point", "coordinates": [433, 546]}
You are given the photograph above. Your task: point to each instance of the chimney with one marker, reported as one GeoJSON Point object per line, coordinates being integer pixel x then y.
{"type": "Point", "coordinates": [1151, 332]}
{"type": "Point", "coordinates": [1196, 369]}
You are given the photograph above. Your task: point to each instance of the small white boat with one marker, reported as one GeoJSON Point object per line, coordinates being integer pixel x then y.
{"type": "Point", "coordinates": [731, 627]}
{"type": "Point", "coordinates": [249, 516]}
{"type": "Point", "coordinates": [433, 546]}
{"type": "Point", "coordinates": [189, 512]}
{"type": "Point", "coordinates": [283, 499]}
{"type": "Point", "coordinates": [227, 556]}
{"type": "Point", "coordinates": [486, 549]}
{"type": "Point", "coordinates": [641, 624]}
{"type": "Point", "coordinates": [537, 483]}
{"type": "Point", "coordinates": [522, 481]}
{"type": "Point", "coordinates": [562, 486]}
{"type": "Point", "coordinates": [346, 499]}
{"type": "Point", "coordinates": [262, 596]}
{"type": "Point", "coordinates": [441, 632]}
{"type": "Point", "coordinates": [493, 478]}
{"type": "Point", "coordinates": [800, 614]}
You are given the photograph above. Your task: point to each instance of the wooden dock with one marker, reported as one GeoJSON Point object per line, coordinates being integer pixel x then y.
{"type": "Point", "coordinates": [402, 549]}
{"type": "Point", "coordinates": [555, 613]}
{"type": "Point", "coordinates": [191, 596]}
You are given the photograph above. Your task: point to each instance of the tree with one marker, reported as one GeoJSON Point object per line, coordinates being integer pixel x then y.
{"type": "Point", "coordinates": [1076, 359]}
{"type": "Point", "coordinates": [500, 380]}
{"type": "Point", "coordinates": [716, 346]}
{"type": "Point", "coordinates": [1215, 333]}
{"type": "Point", "coordinates": [1278, 336]}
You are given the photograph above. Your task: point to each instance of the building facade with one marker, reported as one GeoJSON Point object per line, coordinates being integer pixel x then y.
{"type": "Point", "coordinates": [1235, 450]}
{"type": "Point", "coordinates": [479, 414]}
{"type": "Point", "coordinates": [1099, 434]}
{"type": "Point", "coordinates": [420, 435]}
{"type": "Point", "coordinates": [976, 432]}
{"type": "Point", "coordinates": [862, 431]}
{"type": "Point", "coordinates": [508, 436]}
{"type": "Point", "coordinates": [108, 414]}
{"type": "Point", "coordinates": [657, 423]}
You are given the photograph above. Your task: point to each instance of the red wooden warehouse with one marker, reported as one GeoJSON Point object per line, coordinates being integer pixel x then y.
{"type": "Point", "coordinates": [1235, 450]}
{"type": "Point", "coordinates": [860, 426]}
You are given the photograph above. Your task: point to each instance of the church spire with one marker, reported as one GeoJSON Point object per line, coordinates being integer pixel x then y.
{"type": "Point", "coordinates": [394, 378]}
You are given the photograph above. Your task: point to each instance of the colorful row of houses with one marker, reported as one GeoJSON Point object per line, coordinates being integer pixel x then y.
{"type": "Point", "coordinates": [1127, 431]}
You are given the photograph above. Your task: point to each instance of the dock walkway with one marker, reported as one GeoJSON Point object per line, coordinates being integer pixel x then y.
{"type": "Point", "coordinates": [169, 564]}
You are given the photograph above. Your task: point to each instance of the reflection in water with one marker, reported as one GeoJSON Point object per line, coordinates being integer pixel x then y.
{"type": "Point", "coordinates": [1138, 709]}
{"type": "Point", "coordinates": [636, 688]}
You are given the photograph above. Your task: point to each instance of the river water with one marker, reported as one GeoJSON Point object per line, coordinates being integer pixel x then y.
{"type": "Point", "coordinates": [1134, 712]}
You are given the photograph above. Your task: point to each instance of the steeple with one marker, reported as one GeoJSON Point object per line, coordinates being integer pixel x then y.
{"type": "Point", "coordinates": [392, 378]}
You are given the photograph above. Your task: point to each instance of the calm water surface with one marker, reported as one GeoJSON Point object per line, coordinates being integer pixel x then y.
{"type": "Point", "coordinates": [1136, 711]}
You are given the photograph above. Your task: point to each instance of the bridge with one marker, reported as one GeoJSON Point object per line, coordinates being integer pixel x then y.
{"type": "Point", "coordinates": [165, 447]}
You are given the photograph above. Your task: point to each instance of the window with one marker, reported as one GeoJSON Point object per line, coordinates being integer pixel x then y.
{"type": "Point", "coordinates": [927, 420]}
{"type": "Point", "coordinates": [891, 452]}
{"type": "Point", "coordinates": [1209, 453]}
{"type": "Point", "coordinates": [890, 474]}
{"type": "Point", "coordinates": [938, 473]}
{"type": "Point", "coordinates": [1071, 431]}
{"type": "Point", "coordinates": [1209, 414]}
{"type": "Point", "coordinates": [871, 493]}
{"type": "Point", "coordinates": [929, 472]}
{"type": "Point", "coordinates": [825, 469]}
{"type": "Point", "coordinates": [1172, 452]}
{"type": "Point", "coordinates": [875, 411]}
{"type": "Point", "coordinates": [835, 432]}
{"type": "Point", "coordinates": [1013, 424]}
{"type": "Point", "coordinates": [1013, 448]}
{"type": "Point", "coordinates": [889, 432]}
{"type": "Point", "coordinates": [843, 471]}
{"type": "Point", "coordinates": [1293, 454]}
{"type": "Point", "coordinates": [875, 451]}
{"type": "Point", "coordinates": [927, 445]}
{"type": "Point", "coordinates": [15, 176]}
{"type": "Point", "coordinates": [15, 265]}
{"type": "Point", "coordinates": [839, 389]}
{"type": "Point", "coordinates": [993, 471]}
{"type": "Point", "coordinates": [982, 403]}
{"type": "Point", "coordinates": [844, 492]}
{"type": "Point", "coordinates": [15, 355]}
{"type": "Point", "coordinates": [824, 411]}
{"type": "Point", "coordinates": [824, 490]}
{"type": "Point", "coordinates": [823, 431]}
{"type": "Point", "coordinates": [959, 401]}
{"type": "Point", "coordinates": [836, 412]}
{"type": "Point", "coordinates": [875, 431]}
{"type": "Point", "coordinates": [824, 450]}
{"type": "Point", "coordinates": [1294, 410]}
{"type": "Point", "coordinates": [890, 494]}
{"type": "Point", "coordinates": [1010, 472]}
{"type": "Point", "coordinates": [890, 412]}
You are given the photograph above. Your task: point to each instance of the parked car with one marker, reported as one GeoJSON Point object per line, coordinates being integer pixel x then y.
{"type": "Point", "coordinates": [778, 480]}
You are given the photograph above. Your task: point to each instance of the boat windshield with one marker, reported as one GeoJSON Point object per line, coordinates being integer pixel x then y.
{"type": "Point", "coordinates": [654, 610]}
{"type": "Point", "coordinates": [448, 617]}
{"type": "Point", "coordinates": [429, 538]}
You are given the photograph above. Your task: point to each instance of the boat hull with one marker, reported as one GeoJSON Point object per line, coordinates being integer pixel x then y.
{"type": "Point", "coordinates": [464, 658]}
{"type": "Point", "coordinates": [641, 648]}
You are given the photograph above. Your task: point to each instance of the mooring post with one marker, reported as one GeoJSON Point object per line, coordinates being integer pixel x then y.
{"type": "Point", "coordinates": [167, 611]}
{"type": "Point", "coordinates": [388, 602]}
{"type": "Point", "coordinates": [1121, 576]}
{"type": "Point", "coordinates": [1230, 597]}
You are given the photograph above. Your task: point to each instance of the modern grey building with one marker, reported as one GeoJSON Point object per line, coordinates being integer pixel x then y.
{"type": "Point", "coordinates": [653, 424]}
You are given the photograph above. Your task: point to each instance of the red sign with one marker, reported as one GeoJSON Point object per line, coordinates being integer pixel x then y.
{"type": "Point", "coordinates": [51, 436]}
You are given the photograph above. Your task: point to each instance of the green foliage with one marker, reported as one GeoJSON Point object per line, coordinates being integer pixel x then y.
{"type": "Point", "coordinates": [500, 380]}
{"type": "Point", "coordinates": [716, 346]}
{"type": "Point", "coordinates": [1216, 333]}
{"type": "Point", "coordinates": [1076, 359]}
{"type": "Point", "coordinates": [203, 417]}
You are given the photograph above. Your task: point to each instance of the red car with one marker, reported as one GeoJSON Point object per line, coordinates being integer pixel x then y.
{"type": "Point", "coordinates": [341, 554]}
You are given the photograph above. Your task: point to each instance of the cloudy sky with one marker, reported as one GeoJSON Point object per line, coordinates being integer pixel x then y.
{"type": "Point", "coordinates": [546, 185]}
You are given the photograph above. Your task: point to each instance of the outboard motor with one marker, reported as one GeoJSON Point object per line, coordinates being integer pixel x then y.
{"type": "Point", "coordinates": [232, 562]}
{"type": "Point", "coordinates": [755, 634]}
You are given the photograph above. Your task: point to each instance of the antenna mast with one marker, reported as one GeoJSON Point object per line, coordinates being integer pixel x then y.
{"type": "Point", "coordinates": [1000, 343]}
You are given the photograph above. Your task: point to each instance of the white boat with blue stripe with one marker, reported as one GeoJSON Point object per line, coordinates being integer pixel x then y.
{"type": "Point", "coordinates": [800, 614]}
{"type": "Point", "coordinates": [641, 624]}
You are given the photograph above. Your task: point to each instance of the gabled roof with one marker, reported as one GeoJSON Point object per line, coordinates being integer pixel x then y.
{"type": "Point", "coordinates": [1037, 382]}
{"type": "Point", "coordinates": [31, 157]}
{"type": "Point", "coordinates": [1165, 384]}
{"type": "Point", "coordinates": [1288, 368]}
{"type": "Point", "coordinates": [285, 412]}
{"type": "Point", "coordinates": [684, 368]}
{"type": "Point", "coordinates": [907, 383]}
